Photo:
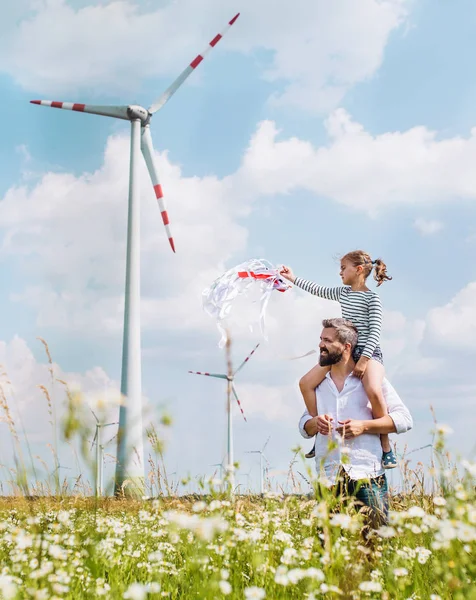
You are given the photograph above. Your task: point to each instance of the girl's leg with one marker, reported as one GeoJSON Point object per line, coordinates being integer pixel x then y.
{"type": "Point", "coordinates": [372, 381]}
{"type": "Point", "coordinates": [308, 384]}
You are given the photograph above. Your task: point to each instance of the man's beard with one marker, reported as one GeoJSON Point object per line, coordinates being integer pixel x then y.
{"type": "Point", "coordinates": [327, 358]}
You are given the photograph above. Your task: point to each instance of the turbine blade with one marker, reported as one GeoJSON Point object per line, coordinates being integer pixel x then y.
{"type": "Point", "coordinates": [262, 449]}
{"type": "Point", "coordinates": [246, 359]}
{"type": "Point", "coordinates": [118, 112]}
{"type": "Point", "coordinates": [217, 375]}
{"type": "Point", "coordinates": [94, 439]}
{"type": "Point", "coordinates": [148, 153]}
{"type": "Point", "coordinates": [170, 91]}
{"type": "Point", "coordinates": [238, 400]}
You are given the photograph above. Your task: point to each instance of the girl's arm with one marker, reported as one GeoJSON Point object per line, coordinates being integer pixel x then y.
{"type": "Point", "coordinates": [375, 326]}
{"type": "Point", "coordinates": [329, 293]}
{"type": "Point", "coordinates": [312, 288]}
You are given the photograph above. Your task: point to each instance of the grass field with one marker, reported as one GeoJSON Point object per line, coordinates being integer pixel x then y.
{"type": "Point", "coordinates": [57, 542]}
{"type": "Point", "coordinates": [238, 547]}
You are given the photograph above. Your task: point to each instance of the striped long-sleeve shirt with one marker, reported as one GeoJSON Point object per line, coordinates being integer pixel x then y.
{"type": "Point", "coordinates": [364, 309]}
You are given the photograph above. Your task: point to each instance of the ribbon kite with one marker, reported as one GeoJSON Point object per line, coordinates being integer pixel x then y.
{"type": "Point", "coordinates": [218, 298]}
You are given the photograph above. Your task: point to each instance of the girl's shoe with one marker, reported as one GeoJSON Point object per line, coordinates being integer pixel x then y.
{"type": "Point", "coordinates": [389, 460]}
{"type": "Point", "coordinates": [311, 453]}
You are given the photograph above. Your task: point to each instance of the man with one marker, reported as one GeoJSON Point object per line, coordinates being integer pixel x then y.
{"type": "Point", "coordinates": [345, 417]}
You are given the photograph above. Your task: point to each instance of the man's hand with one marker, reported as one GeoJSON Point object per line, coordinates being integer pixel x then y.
{"type": "Point", "coordinates": [360, 367]}
{"type": "Point", "coordinates": [351, 428]}
{"type": "Point", "coordinates": [324, 424]}
{"type": "Point", "coordinates": [321, 424]}
{"type": "Point", "coordinates": [287, 273]}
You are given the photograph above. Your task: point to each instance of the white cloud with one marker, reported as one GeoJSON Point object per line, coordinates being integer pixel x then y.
{"type": "Point", "coordinates": [454, 324]}
{"type": "Point", "coordinates": [36, 418]}
{"type": "Point", "coordinates": [21, 379]}
{"type": "Point", "coordinates": [363, 171]}
{"type": "Point", "coordinates": [82, 283]}
{"type": "Point", "coordinates": [273, 403]}
{"type": "Point", "coordinates": [428, 226]}
{"type": "Point", "coordinates": [318, 49]}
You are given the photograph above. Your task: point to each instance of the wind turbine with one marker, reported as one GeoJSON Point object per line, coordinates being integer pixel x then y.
{"type": "Point", "coordinates": [261, 472]}
{"type": "Point", "coordinates": [220, 467]}
{"type": "Point", "coordinates": [130, 451]}
{"type": "Point", "coordinates": [99, 453]}
{"type": "Point", "coordinates": [230, 378]}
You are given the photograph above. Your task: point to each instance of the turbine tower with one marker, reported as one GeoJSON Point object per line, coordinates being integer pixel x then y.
{"type": "Point", "coordinates": [130, 452]}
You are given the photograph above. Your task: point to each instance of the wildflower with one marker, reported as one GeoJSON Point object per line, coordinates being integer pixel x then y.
{"type": "Point", "coordinates": [370, 586]}
{"type": "Point", "coordinates": [329, 588]}
{"type": "Point", "coordinates": [416, 511]}
{"type": "Point", "coordinates": [386, 532]}
{"type": "Point", "coordinates": [423, 554]}
{"type": "Point", "coordinates": [281, 536]}
{"type": "Point", "coordinates": [470, 467]}
{"type": "Point", "coordinates": [199, 506]}
{"type": "Point", "coordinates": [224, 574]}
{"type": "Point", "coordinates": [254, 593]}
{"type": "Point", "coordinates": [320, 511]}
{"type": "Point", "coordinates": [400, 572]}
{"type": "Point", "coordinates": [281, 575]}
{"type": "Point", "coordinates": [136, 591]}
{"type": "Point", "coordinates": [439, 501]}
{"type": "Point", "coordinates": [288, 555]}
{"type": "Point", "coordinates": [443, 429]}
{"type": "Point", "coordinates": [8, 587]}
{"type": "Point", "coordinates": [415, 529]}
{"type": "Point", "coordinates": [314, 573]}
{"type": "Point", "coordinates": [295, 575]}
{"type": "Point", "coordinates": [225, 587]}
{"type": "Point", "coordinates": [341, 520]}
{"type": "Point", "coordinates": [156, 556]}
{"type": "Point", "coordinates": [24, 541]}
{"type": "Point", "coordinates": [435, 597]}
{"type": "Point", "coordinates": [57, 552]}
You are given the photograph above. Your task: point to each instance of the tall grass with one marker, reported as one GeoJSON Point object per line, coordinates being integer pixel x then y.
{"type": "Point", "coordinates": [58, 541]}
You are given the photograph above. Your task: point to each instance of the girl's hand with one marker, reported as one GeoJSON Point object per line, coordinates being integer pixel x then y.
{"type": "Point", "coordinates": [360, 367]}
{"type": "Point", "coordinates": [287, 273]}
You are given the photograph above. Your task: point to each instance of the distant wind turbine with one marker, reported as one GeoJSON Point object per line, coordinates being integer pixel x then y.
{"type": "Point", "coordinates": [130, 450]}
{"type": "Point", "coordinates": [230, 378]}
{"type": "Point", "coordinates": [99, 454]}
{"type": "Point", "coordinates": [261, 466]}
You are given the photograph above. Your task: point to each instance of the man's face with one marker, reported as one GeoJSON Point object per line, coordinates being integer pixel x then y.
{"type": "Point", "coordinates": [330, 349]}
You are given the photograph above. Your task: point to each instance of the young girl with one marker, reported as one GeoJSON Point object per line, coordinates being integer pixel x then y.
{"type": "Point", "coordinates": [363, 307]}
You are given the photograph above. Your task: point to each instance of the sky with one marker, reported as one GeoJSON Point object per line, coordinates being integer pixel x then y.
{"type": "Point", "coordinates": [313, 128]}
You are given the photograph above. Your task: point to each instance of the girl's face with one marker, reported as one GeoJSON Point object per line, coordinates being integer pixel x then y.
{"type": "Point", "coordinates": [349, 274]}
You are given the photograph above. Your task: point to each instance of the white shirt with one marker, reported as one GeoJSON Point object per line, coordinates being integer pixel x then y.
{"type": "Point", "coordinates": [365, 451]}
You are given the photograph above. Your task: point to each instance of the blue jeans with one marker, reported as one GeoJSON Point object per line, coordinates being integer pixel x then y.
{"type": "Point", "coordinates": [371, 496]}
{"type": "Point", "coordinates": [377, 354]}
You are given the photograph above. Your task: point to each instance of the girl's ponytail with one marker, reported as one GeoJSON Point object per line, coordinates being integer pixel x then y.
{"type": "Point", "coordinates": [380, 271]}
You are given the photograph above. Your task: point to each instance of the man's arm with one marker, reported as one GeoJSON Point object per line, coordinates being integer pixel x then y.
{"type": "Point", "coordinates": [307, 426]}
